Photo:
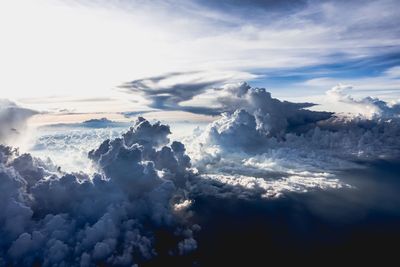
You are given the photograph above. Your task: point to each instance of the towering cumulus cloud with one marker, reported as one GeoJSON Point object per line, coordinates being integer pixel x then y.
{"type": "Point", "coordinates": [272, 116]}
{"type": "Point", "coordinates": [12, 120]}
{"type": "Point", "coordinates": [272, 146]}
{"type": "Point", "coordinates": [369, 107]}
{"type": "Point", "coordinates": [52, 218]}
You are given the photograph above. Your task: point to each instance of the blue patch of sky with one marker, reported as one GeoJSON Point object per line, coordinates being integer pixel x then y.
{"type": "Point", "coordinates": [348, 69]}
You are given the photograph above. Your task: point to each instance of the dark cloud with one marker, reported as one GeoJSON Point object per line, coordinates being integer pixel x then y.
{"type": "Point", "coordinates": [342, 225]}
{"type": "Point", "coordinates": [101, 123]}
{"type": "Point", "coordinates": [169, 97]}
{"type": "Point", "coordinates": [92, 123]}
{"type": "Point", "coordinates": [264, 5]}
{"type": "Point", "coordinates": [130, 114]}
{"type": "Point", "coordinates": [54, 218]}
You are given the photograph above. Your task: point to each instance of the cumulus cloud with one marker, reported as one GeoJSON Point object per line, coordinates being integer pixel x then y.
{"type": "Point", "coordinates": [369, 107]}
{"type": "Point", "coordinates": [74, 140]}
{"type": "Point", "coordinates": [255, 130]}
{"type": "Point", "coordinates": [270, 146]}
{"type": "Point", "coordinates": [75, 219]}
{"type": "Point", "coordinates": [13, 120]}
{"type": "Point", "coordinates": [254, 121]}
{"type": "Point", "coordinates": [272, 116]}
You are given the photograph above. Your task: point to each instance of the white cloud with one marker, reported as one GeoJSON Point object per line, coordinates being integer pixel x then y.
{"type": "Point", "coordinates": [73, 218]}
{"type": "Point", "coordinates": [267, 147]}
{"type": "Point", "coordinates": [369, 107]}
{"type": "Point", "coordinates": [385, 84]}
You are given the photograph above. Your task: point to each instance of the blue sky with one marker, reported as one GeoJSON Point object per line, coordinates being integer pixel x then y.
{"type": "Point", "coordinates": [58, 53]}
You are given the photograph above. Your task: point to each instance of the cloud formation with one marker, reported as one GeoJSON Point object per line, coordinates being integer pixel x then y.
{"type": "Point", "coordinates": [12, 120]}
{"type": "Point", "coordinates": [55, 218]}
{"type": "Point", "coordinates": [260, 147]}
{"type": "Point", "coordinates": [254, 120]}
{"type": "Point", "coordinates": [182, 36]}
{"type": "Point", "coordinates": [168, 92]}
{"type": "Point", "coordinates": [369, 107]}
{"type": "Point", "coordinates": [272, 147]}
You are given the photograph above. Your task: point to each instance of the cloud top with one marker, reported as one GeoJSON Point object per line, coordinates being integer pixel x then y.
{"type": "Point", "coordinates": [369, 107]}
{"type": "Point", "coordinates": [76, 219]}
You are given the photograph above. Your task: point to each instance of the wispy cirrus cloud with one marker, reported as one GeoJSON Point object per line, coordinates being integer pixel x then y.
{"type": "Point", "coordinates": [168, 92]}
{"type": "Point", "coordinates": [129, 40]}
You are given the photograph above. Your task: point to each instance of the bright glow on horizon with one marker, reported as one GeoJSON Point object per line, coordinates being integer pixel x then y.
{"type": "Point", "coordinates": [55, 49]}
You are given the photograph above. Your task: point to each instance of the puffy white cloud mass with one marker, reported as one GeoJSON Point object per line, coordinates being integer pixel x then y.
{"type": "Point", "coordinates": [12, 120]}
{"type": "Point", "coordinates": [54, 218]}
{"type": "Point", "coordinates": [271, 116]}
{"type": "Point", "coordinates": [369, 107]}
{"type": "Point", "coordinates": [254, 122]}
{"type": "Point", "coordinates": [272, 146]}
{"type": "Point", "coordinates": [57, 142]}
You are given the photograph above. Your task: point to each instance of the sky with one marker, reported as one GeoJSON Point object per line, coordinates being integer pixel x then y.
{"type": "Point", "coordinates": [69, 58]}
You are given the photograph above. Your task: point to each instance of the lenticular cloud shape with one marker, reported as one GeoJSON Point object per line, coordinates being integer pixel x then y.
{"type": "Point", "coordinates": [73, 219]}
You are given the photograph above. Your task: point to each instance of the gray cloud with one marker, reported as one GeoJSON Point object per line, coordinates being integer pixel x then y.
{"type": "Point", "coordinates": [92, 123]}
{"type": "Point", "coordinates": [258, 6]}
{"type": "Point", "coordinates": [74, 219]}
{"type": "Point", "coordinates": [169, 97]}
{"type": "Point", "coordinates": [167, 92]}
{"type": "Point", "coordinates": [12, 120]}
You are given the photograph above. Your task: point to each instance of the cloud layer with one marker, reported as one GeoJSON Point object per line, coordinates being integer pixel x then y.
{"type": "Point", "coordinates": [72, 219]}
{"type": "Point", "coordinates": [259, 148]}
